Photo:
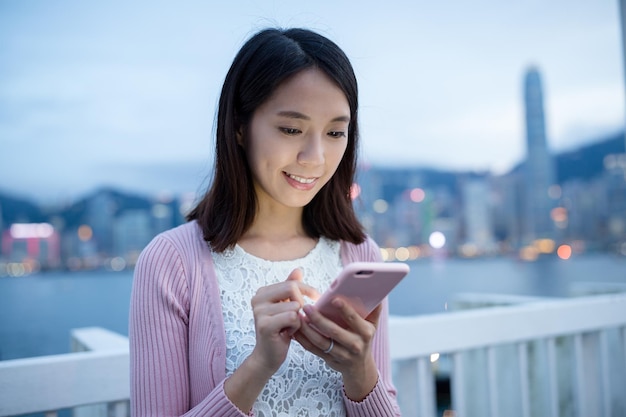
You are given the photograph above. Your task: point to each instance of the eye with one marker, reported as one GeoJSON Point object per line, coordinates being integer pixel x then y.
{"type": "Point", "coordinates": [291, 131]}
{"type": "Point", "coordinates": [337, 134]}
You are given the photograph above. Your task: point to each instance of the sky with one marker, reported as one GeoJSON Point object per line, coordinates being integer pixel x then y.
{"type": "Point", "coordinates": [123, 94]}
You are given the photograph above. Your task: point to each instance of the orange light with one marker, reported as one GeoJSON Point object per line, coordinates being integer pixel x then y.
{"type": "Point", "coordinates": [564, 252]}
{"type": "Point", "coordinates": [544, 245]}
{"type": "Point", "coordinates": [414, 252]}
{"type": "Point", "coordinates": [528, 253]}
{"type": "Point", "coordinates": [85, 233]}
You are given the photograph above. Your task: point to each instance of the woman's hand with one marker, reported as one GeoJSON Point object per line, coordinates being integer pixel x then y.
{"type": "Point", "coordinates": [276, 318]}
{"type": "Point", "coordinates": [348, 350]}
{"type": "Point", "coordinates": [276, 310]}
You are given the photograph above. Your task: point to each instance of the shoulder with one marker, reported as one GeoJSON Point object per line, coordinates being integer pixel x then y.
{"type": "Point", "coordinates": [177, 260]}
{"type": "Point", "coordinates": [186, 237]}
{"type": "Point", "coordinates": [187, 234]}
{"type": "Point", "coordinates": [367, 251]}
{"type": "Point", "coordinates": [184, 241]}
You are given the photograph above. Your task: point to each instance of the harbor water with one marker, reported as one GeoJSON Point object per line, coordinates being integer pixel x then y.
{"type": "Point", "coordinates": [37, 312]}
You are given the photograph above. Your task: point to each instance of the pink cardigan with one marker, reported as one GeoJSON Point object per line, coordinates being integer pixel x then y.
{"type": "Point", "coordinates": [177, 338]}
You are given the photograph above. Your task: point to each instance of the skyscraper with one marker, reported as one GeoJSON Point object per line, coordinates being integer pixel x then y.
{"type": "Point", "coordinates": [539, 169]}
{"type": "Point", "coordinates": [622, 7]}
{"type": "Point", "coordinates": [477, 216]}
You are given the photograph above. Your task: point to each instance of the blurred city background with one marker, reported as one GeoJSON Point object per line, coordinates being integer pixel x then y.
{"type": "Point", "coordinates": [572, 204]}
{"type": "Point", "coordinates": [498, 133]}
{"type": "Point", "coordinates": [493, 161]}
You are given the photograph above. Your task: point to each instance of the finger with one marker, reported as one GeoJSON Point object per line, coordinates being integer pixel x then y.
{"type": "Point", "coordinates": [296, 275]}
{"type": "Point", "coordinates": [323, 325]}
{"type": "Point", "coordinates": [290, 290]}
{"type": "Point", "coordinates": [271, 309]}
{"type": "Point", "coordinates": [374, 316]}
{"type": "Point", "coordinates": [286, 321]}
{"type": "Point", "coordinates": [314, 341]}
{"type": "Point", "coordinates": [354, 321]}
{"type": "Point", "coordinates": [309, 291]}
{"type": "Point", "coordinates": [306, 290]}
{"type": "Point", "coordinates": [313, 335]}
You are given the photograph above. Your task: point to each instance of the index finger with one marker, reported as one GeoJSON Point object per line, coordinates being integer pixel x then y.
{"type": "Point", "coordinates": [289, 290]}
{"type": "Point", "coordinates": [306, 290]}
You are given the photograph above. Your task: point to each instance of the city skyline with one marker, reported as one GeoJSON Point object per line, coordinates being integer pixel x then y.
{"type": "Point", "coordinates": [539, 173]}
{"type": "Point", "coordinates": [123, 95]}
{"type": "Point", "coordinates": [411, 213]}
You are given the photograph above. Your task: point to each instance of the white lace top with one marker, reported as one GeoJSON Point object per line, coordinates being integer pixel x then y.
{"type": "Point", "coordinates": [304, 386]}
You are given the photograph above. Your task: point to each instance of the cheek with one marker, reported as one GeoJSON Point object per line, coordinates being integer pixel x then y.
{"type": "Point", "coordinates": [256, 148]}
{"type": "Point", "coordinates": [264, 157]}
{"type": "Point", "coordinates": [338, 153]}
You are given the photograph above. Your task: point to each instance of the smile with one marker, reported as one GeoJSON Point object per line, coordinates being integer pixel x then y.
{"type": "Point", "coordinates": [301, 180]}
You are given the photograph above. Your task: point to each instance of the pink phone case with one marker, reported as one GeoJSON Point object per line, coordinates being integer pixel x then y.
{"type": "Point", "coordinates": [364, 285]}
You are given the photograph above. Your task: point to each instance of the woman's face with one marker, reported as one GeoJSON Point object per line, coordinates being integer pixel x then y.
{"type": "Point", "coordinates": [296, 139]}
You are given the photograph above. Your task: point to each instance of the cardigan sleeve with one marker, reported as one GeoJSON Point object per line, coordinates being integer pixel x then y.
{"type": "Point", "coordinates": [381, 401]}
{"type": "Point", "coordinates": [158, 333]}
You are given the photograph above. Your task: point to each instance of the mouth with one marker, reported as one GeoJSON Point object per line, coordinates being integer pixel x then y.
{"type": "Point", "coordinates": [301, 180]}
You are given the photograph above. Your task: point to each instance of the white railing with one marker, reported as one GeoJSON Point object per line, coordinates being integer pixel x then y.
{"type": "Point", "coordinates": [541, 358]}
{"type": "Point", "coordinates": [544, 358]}
{"type": "Point", "coordinates": [96, 373]}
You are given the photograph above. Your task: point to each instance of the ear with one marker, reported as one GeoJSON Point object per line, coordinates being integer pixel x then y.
{"type": "Point", "coordinates": [240, 136]}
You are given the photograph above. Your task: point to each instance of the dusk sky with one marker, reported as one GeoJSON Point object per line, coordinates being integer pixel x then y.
{"type": "Point", "coordinates": [123, 93]}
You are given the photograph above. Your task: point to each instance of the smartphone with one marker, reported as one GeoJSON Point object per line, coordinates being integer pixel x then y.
{"type": "Point", "coordinates": [364, 285]}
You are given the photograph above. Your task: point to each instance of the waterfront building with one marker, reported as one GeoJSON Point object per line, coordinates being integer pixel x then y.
{"type": "Point", "coordinates": [100, 217]}
{"type": "Point", "coordinates": [478, 227]}
{"type": "Point", "coordinates": [132, 231]}
{"type": "Point", "coordinates": [29, 243]}
{"type": "Point", "coordinates": [622, 14]}
{"type": "Point", "coordinates": [538, 167]}
{"type": "Point", "coordinates": [615, 180]}
{"type": "Point", "coordinates": [163, 216]}
{"type": "Point", "coordinates": [79, 249]}
{"type": "Point", "coordinates": [581, 211]}
{"type": "Point", "coordinates": [506, 217]}
{"type": "Point", "coordinates": [408, 214]}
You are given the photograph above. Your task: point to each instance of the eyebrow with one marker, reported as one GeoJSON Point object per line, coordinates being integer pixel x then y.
{"type": "Point", "coordinates": [297, 115]}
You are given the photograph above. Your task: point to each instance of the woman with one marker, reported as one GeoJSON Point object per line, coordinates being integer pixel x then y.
{"type": "Point", "coordinates": [220, 321]}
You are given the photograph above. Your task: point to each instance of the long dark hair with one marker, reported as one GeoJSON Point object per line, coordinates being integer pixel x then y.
{"type": "Point", "coordinates": [263, 63]}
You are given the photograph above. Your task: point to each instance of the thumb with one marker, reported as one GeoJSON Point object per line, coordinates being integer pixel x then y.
{"type": "Point", "coordinates": [374, 316]}
{"type": "Point", "coordinates": [296, 275]}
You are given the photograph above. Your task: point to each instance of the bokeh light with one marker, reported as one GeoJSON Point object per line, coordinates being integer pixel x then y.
{"type": "Point", "coordinates": [31, 230]}
{"type": "Point", "coordinates": [381, 206]}
{"type": "Point", "coordinates": [564, 252]}
{"type": "Point", "coordinates": [437, 240]}
{"type": "Point", "coordinates": [417, 195]}
{"type": "Point", "coordinates": [85, 233]}
{"type": "Point", "coordinates": [355, 191]}
{"type": "Point", "coordinates": [402, 254]}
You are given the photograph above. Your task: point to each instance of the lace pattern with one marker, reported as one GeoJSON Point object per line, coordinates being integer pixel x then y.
{"type": "Point", "coordinates": [304, 386]}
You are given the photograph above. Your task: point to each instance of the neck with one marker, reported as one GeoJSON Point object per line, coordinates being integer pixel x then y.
{"type": "Point", "coordinates": [277, 235]}
{"type": "Point", "coordinates": [277, 224]}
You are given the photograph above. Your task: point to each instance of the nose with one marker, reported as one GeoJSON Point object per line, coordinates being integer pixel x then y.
{"type": "Point", "coordinates": [312, 151]}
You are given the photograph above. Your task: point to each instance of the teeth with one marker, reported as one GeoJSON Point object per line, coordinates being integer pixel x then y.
{"type": "Point", "coordinates": [301, 180]}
